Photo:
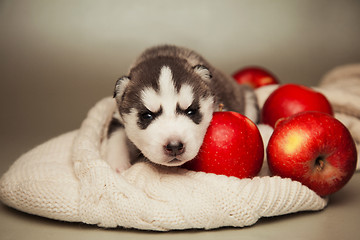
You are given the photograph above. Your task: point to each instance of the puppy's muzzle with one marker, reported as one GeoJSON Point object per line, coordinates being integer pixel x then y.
{"type": "Point", "coordinates": [174, 148]}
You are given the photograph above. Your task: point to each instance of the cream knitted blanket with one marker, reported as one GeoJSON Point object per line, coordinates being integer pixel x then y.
{"type": "Point", "coordinates": [66, 178]}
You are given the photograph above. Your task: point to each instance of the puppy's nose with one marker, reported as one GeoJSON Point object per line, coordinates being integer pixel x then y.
{"type": "Point", "coordinates": [174, 148]}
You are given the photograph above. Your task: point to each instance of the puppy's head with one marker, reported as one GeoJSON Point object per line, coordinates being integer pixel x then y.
{"type": "Point", "coordinates": [166, 106]}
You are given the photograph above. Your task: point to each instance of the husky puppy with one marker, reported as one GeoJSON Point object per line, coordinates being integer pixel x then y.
{"type": "Point", "coordinates": [165, 106]}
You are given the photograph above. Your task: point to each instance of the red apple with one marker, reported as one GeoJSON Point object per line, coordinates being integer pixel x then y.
{"type": "Point", "coordinates": [290, 99]}
{"type": "Point", "coordinates": [315, 149]}
{"type": "Point", "coordinates": [232, 146]}
{"type": "Point", "coordinates": [255, 77]}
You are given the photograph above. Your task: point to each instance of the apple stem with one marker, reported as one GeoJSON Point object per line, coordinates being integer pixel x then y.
{"type": "Point", "coordinates": [320, 164]}
{"type": "Point", "coordinates": [221, 107]}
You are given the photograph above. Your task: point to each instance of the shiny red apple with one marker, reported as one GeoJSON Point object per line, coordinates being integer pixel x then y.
{"type": "Point", "coordinates": [232, 146]}
{"type": "Point", "coordinates": [255, 77]}
{"type": "Point", "coordinates": [315, 149]}
{"type": "Point", "coordinates": [290, 99]}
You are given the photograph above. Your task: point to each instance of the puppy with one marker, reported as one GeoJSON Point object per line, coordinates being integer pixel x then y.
{"type": "Point", "coordinates": [165, 106]}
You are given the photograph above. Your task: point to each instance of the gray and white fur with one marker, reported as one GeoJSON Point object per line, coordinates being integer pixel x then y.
{"type": "Point", "coordinates": [166, 104]}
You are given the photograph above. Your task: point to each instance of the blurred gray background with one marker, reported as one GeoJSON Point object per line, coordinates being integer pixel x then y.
{"type": "Point", "coordinates": [57, 58]}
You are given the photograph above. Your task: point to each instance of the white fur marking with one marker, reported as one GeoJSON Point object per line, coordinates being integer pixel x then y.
{"type": "Point", "coordinates": [151, 99]}
{"type": "Point", "coordinates": [186, 96]}
{"type": "Point", "coordinates": [166, 81]}
{"type": "Point", "coordinates": [121, 85]}
{"type": "Point", "coordinates": [166, 96]}
{"type": "Point", "coordinates": [203, 72]}
{"type": "Point", "coordinates": [167, 91]}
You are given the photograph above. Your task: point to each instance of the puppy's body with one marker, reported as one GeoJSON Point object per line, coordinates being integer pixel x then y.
{"type": "Point", "coordinates": [166, 104]}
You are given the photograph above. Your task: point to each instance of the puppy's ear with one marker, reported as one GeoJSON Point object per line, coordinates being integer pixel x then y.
{"type": "Point", "coordinates": [120, 87]}
{"type": "Point", "coordinates": [203, 72]}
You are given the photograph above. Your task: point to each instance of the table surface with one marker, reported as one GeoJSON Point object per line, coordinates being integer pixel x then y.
{"type": "Point", "coordinates": [339, 220]}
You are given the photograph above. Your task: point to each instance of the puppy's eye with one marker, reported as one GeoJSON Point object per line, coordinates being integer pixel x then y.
{"type": "Point", "coordinates": [147, 116]}
{"type": "Point", "coordinates": [191, 111]}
